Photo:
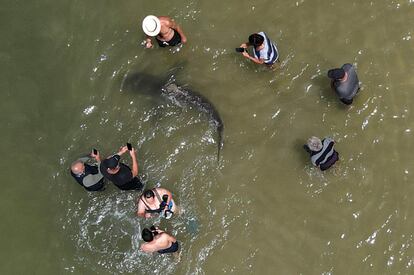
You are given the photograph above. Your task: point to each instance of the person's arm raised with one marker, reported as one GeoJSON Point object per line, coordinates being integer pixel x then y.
{"type": "Point", "coordinates": [134, 163]}
{"type": "Point", "coordinates": [122, 150]}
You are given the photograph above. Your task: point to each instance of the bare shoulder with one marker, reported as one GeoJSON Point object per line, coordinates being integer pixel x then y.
{"type": "Point", "coordinates": [139, 201]}
{"type": "Point", "coordinates": [166, 20]}
{"type": "Point", "coordinates": [162, 190]}
{"type": "Point", "coordinates": [144, 247]}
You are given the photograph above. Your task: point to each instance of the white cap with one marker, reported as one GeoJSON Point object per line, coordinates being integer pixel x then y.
{"type": "Point", "coordinates": [314, 144]}
{"type": "Point", "coordinates": [151, 25]}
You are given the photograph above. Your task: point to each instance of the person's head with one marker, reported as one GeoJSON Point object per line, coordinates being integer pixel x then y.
{"type": "Point", "coordinates": [77, 167]}
{"type": "Point", "coordinates": [149, 195]}
{"type": "Point", "coordinates": [314, 144]}
{"type": "Point", "coordinates": [151, 25]}
{"type": "Point", "coordinates": [112, 163]}
{"type": "Point", "coordinates": [256, 40]}
{"type": "Point", "coordinates": [336, 74]}
{"type": "Point", "coordinates": [147, 235]}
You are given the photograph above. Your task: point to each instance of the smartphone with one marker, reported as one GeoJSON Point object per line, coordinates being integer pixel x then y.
{"type": "Point", "coordinates": [129, 146]}
{"type": "Point", "coordinates": [95, 152]}
{"type": "Point", "coordinates": [240, 50]}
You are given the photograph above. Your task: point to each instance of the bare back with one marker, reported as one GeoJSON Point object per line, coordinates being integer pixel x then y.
{"type": "Point", "coordinates": [167, 28]}
{"type": "Point", "coordinates": [161, 241]}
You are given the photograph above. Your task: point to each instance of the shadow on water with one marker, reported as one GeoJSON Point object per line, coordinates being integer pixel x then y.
{"type": "Point", "coordinates": [160, 88]}
{"type": "Point", "coordinates": [328, 94]}
{"type": "Point", "coordinates": [299, 148]}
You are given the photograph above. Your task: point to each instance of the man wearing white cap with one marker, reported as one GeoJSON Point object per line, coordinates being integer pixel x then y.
{"type": "Point", "coordinates": [164, 29]}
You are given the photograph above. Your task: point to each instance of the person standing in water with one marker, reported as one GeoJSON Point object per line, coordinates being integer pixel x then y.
{"type": "Point", "coordinates": [119, 173]}
{"type": "Point", "coordinates": [164, 29]}
{"type": "Point", "coordinates": [159, 241]}
{"type": "Point", "coordinates": [156, 201]}
{"type": "Point", "coordinates": [344, 81]}
{"type": "Point", "coordinates": [264, 50]}
{"type": "Point", "coordinates": [322, 152]}
{"type": "Point", "coordinates": [87, 175]}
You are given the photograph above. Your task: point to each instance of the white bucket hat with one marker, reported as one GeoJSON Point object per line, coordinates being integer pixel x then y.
{"type": "Point", "coordinates": [314, 144]}
{"type": "Point", "coordinates": [151, 25]}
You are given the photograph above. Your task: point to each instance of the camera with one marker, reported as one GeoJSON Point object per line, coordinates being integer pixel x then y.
{"type": "Point", "coordinates": [154, 230]}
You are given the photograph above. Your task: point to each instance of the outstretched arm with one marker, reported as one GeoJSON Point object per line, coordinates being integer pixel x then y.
{"type": "Point", "coordinates": [254, 59]}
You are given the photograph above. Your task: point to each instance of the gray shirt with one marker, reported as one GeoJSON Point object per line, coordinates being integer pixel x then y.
{"type": "Point", "coordinates": [347, 89]}
{"type": "Point", "coordinates": [92, 178]}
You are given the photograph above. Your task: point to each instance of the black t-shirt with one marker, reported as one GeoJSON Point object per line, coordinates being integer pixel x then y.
{"type": "Point", "coordinates": [121, 178]}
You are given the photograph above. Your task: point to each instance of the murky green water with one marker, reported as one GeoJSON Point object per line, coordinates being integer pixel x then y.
{"type": "Point", "coordinates": [265, 210]}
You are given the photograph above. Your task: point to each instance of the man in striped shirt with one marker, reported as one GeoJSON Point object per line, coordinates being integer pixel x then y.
{"type": "Point", "coordinates": [264, 50]}
{"type": "Point", "coordinates": [321, 152]}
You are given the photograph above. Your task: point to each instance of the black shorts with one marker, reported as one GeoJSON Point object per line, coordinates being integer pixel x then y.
{"type": "Point", "coordinates": [173, 248]}
{"type": "Point", "coordinates": [331, 161]}
{"type": "Point", "coordinates": [134, 184]}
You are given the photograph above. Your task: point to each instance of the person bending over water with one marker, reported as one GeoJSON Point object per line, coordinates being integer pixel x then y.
{"type": "Point", "coordinates": [87, 175]}
{"type": "Point", "coordinates": [156, 201]}
{"type": "Point", "coordinates": [344, 81]}
{"type": "Point", "coordinates": [321, 152]}
{"type": "Point", "coordinates": [159, 241]}
{"type": "Point", "coordinates": [165, 30]}
{"type": "Point", "coordinates": [264, 50]}
{"type": "Point", "coordinates": [119, 173]}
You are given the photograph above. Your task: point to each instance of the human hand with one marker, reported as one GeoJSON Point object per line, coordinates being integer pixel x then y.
{"type": "Point", "coordinates": [183, 39]}
{"type": "Point", "coordinates": [148, 44]}
{"type": "Point", "coordinates": [122, 150]}
{"type": "Point", "coordinates": [244, 45]}
{"type": "Point", "coordinates": [96, 156]}
{"type": "Point", "coordinates": [245, 54]}
{"type": "Point", "coordinates": [132, 152]}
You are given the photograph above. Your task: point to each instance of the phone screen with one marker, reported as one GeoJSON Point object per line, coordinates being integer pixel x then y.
{"type": "Point", "coordinates": [129, 146]}
{"type": "Point", "coordinates": [95, 152]}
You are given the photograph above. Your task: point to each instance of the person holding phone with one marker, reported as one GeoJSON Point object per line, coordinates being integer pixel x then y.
{"type": "Point", "coordinates": [119, 173]}
{"type": "Point", "coordinates": [264, 50]}
{"type": "Point", "coordinates": [88, 175]}
{"type": "Point", "coordinates": [156, 201]}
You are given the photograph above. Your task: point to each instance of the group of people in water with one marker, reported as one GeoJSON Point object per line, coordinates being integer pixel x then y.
{"type": "Point", "coordinates": [159, 201]}
{"type": "Point", "coordinates": [155, 201]}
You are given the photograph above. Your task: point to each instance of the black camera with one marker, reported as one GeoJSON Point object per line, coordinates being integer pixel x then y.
{"type": "Point", "coordinates": [154, 230]}
{"type": "Point", "coordinates": [164, 201]}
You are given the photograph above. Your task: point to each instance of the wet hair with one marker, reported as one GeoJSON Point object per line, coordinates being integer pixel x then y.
{"type": "Point", "coordinates": [148, 194]}
{"type": "Point", "coordinates": [256, 40]}
{"type": "Point", "coordinates": [336, 74]}
{"type": "Point", "coordinates": [147, 235]}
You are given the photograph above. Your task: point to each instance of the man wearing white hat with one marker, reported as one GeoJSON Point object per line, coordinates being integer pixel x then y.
{"type": "Point", "coordinates": [164, 29]}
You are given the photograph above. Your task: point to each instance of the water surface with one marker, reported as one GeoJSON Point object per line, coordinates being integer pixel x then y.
{"type": "Point", "coordinates": [264, 209]}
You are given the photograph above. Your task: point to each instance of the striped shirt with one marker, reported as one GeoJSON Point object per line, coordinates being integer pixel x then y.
{"type": "Point", "coordinates": [323, 156]}
{"type": "Point", "coordinates": [269, 53]}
